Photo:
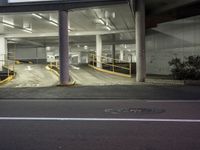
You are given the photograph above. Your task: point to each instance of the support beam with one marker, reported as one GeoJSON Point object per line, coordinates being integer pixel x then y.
{"type": "Point", "coordinates": [174, 5]}
{"type": "Point", "coordinates": [98, 50]}
{"type": "Point", "coordinates": [3, 51]}
{"type": "Point", "coordinates": [140, 41]}
{"type": "Point", "coordinates": [63, 47]}
{"type": "Point", "coordinates": [113, 49]}
{"type": "Point", "coordinates": [121, 56]}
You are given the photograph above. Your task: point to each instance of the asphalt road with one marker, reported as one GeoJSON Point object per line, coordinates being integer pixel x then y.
{"type": "Point", "coordinates": [85, 75]}
{"type": "Point", "coordinates": [96, 125]}
{"type": "Point", "coordinates": [32, 75]}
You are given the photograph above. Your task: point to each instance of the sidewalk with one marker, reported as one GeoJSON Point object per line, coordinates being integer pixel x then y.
{"type": "Point", "coordinates": [154, 92]}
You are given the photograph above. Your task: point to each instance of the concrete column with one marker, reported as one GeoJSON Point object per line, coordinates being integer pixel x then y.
{"type": "Point", "coordinates": [79, 57]}
{"type": "Point", "coordinates": [99, 50]}
{"type": "Point", "coordinates": [3, 51]}
{"type": "Point", "coordinates": [121, 56]}
{"type": "Point", "coordinates": [63, 47]}
{"type": "Point", "coordinates": [113, 48]}
{"type": "Point", "coordinates": [140, 41]}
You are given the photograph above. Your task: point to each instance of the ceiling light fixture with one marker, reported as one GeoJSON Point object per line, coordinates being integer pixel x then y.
{"type": "Point", "coordinates": [27, 30]}
{"type": "Point", "coordinates": [36, 15]}
{"type": "Point", "coordinates": [107, 27]}
{"type": "Point", "coordinates": [54, 23]}
{"type": "Point", "coordinates": [8, 25]}
{"type": "Point", "coordinates": [101, 21]}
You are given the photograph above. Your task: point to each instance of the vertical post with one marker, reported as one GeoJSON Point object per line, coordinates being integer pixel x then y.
{"type": "Point", "coordinates": [93, 59]}
{"type": "Point", "coordinates": [3, 52]}
{"type": "Point", "coordinates": [98, 51]}
{"type": "Point", "coordinates": [140, 41]}
{"type": "Point", "coordinates": [130, 66]}
{"type": "Point", "coordinates": [121, 55]}
{"type": "Point", "coordinates": [113, 52]}
{"type": "Point", "coordinates": [63, 47]}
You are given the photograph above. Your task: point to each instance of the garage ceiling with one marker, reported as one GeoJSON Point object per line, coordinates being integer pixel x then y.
{"type": "Point", "coordinates": [91, 21]}
{"type": "Point", "coordinates": [110, 19]}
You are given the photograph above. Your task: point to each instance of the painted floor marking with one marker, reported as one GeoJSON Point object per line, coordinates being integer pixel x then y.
{"type": "Point", "coordinates": [98, 119]}
{"type": "Point", "coordinates": [173, 101]}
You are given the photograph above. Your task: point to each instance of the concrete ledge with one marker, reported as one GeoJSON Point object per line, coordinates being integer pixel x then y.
{"type": "Point", "coordinates": [9, 78]}
{"type": "Point", "coordinates": [54, 71]}
{"type": "Point", "coordinates": [71, 83]}
{"type": "Point", "coordinates": [110, 72]}
{"type": "Point", "coordinates": [192, 82]}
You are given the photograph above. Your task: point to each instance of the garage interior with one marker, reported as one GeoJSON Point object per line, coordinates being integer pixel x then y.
{"type": "Point", "coordinates": [32, 42]}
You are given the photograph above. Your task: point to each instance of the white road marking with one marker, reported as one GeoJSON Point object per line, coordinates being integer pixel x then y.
{"type": "Point", "coordinates": [98, 119]}
{"type": "Point", "coordinates": [173, 101]}
{"type": "Point", "coordinates": [28, 68]}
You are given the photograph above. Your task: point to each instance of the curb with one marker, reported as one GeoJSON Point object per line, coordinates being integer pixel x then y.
{"type": "Point", "coordinates": [192, 82]}
{"type": "Point", "coordinates": [72, 83]}
{"type": "Point", "coordinates": [9, 78]}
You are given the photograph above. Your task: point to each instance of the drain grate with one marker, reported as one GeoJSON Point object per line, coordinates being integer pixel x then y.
{"type": "Point", "coordinates": [135, 110]}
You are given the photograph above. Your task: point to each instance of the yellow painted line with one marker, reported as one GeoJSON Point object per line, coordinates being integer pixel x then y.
{"type": "Point", "coordinates": [110, 72]}
{"type": "Point", "coordinates": [69, 84]}
{"type": "Point", "coordinates": [48, 68]}
{"type": "Point", "coordinates": [9, 78]}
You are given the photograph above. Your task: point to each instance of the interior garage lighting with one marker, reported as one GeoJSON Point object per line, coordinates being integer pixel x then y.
{"type": "Point", "coordinates": [36, 15]}
{"type": "Point", "coordinates": [107, 27]}
{"type": "Point", "coordinates": [8, 25]}
{"type": "Point", "coordinates": [101, 21]}
{"type": "Point", "coordinates": [27, 30]}
{"type": "Point", "coordinates": [54, 23]}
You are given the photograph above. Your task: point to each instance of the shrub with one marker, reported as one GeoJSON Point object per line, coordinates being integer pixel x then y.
{"type": "Point", "coordinates": [188, 69]}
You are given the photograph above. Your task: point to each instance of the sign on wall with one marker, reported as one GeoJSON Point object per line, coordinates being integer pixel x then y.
{"type": "Point", "coordinates": [24, 1]}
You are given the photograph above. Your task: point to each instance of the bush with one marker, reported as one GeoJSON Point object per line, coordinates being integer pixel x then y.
{"type": "Point", "coordinates": [188, 69]}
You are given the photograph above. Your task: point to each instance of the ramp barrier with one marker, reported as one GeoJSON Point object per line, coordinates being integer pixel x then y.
{"type": "Point", "coordinates": [110, 65]}
{"type": "Point", "coordinates": [54, 67]}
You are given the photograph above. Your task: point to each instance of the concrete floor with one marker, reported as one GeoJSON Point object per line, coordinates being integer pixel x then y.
{"type": "Point", "coordinates": [85, 75]}
{"type": "Point", "coordinates": [35, 75]}
{"type": "Point", "coordinates": [31, 75]}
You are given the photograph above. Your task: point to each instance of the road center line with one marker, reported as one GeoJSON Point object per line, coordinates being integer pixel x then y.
{"type": "Point", "coordinates": [98, 119]}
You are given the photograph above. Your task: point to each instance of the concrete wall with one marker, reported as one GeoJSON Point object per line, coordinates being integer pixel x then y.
{"type": "Point", "coordinates": [36, 55]}
{"type": "Point", "coordinates": [179, 39]}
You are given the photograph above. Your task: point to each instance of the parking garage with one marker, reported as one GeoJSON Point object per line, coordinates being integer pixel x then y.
{"type": "Point", "coordinates": [103, 42]}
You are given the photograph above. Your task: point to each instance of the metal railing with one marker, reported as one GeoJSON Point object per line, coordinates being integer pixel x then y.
{"type": "Point", "coordinates": [114, 65]}
{"type": "Point", "coordinates": [7, 64]}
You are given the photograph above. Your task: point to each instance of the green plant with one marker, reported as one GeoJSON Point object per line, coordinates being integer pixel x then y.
{"type": "Point", "coordinates": [188, 69]}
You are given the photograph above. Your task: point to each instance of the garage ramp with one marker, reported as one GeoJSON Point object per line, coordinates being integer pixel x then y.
{"type": "Point", "coordinates": [85, 75]}
{"type": "Point", "coordinates": [32, 75]}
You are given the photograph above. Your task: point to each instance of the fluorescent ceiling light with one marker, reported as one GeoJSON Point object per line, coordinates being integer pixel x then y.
{"type": "Point", "coordinates": [25, 30]}
{"type": "Point", "coordinates": [107, 27]}
{"type": "Point", "coordinates": [36, 15]}
{"type": "Point", "coordinates": [54, 23]}
{"type": "Point", "coordinates": [8, 25]}
{"type": "Point", "coordinates": [101, 21]}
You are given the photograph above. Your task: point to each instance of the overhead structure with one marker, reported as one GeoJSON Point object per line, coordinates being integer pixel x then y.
{"type": "Point", "coordinates": [63, 47]}
{"type": "Point", "coordinates": [140, 40]}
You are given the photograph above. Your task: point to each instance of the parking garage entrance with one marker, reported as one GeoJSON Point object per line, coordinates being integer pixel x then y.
{"type": "Point", "coordinates": [101, 46]}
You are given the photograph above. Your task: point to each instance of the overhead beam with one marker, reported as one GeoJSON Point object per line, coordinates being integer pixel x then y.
{"type": "Point", "coordinates": [73, 33]}
{"type": "Point", "coordinates": [175, 5]}
{"type": "Point", "coordinates": [57, 5]}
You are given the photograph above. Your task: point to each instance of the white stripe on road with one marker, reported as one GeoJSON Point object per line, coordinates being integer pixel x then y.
{"type": "Point", "coordinates": [98, 119]}
{"type": "Point", "coordinates": [173, 101]}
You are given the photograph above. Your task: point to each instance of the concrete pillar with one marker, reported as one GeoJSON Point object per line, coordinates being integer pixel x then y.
{"type": "Point", "coordinates": [140, 41]}
{"type": "Point", "coordinates": [3, 51]}
{"type": "Point", "coordinates": [63, 47]}
{"type": "Point", "coordinates": [121, 56]}
{"type": "Point", "coordinates": [99, 50]}
{"type": "Point", "coordinates": [113, 48]}
{"type": "Point", "coordinates": [79, 57]}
